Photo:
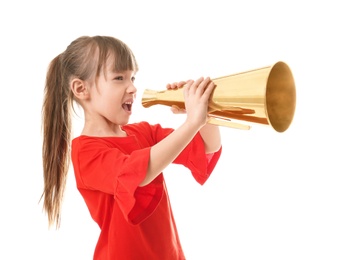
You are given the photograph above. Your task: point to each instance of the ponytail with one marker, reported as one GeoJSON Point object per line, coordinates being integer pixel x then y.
{"type": "Point", "coordinates": [56, 126]}
{"type": "Point", "coordinates": [83, 58]}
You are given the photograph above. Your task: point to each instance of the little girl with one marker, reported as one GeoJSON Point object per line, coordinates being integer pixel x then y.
{"type": "Point", "coordinates": [118, 166]}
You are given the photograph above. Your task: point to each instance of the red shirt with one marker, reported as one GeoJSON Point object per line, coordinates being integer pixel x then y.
{"type": "Point", "coordinates": [136, 222]}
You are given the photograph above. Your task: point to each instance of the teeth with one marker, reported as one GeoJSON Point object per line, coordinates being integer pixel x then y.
{"type": "Point", "coordinates": [127, 105]}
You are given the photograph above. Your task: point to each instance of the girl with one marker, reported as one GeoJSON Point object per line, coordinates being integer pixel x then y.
{"type": "Point", "coordinates": [118, 166]}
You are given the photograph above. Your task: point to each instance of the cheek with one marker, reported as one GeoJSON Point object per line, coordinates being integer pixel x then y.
{"type": "Point", "coordinates": [112, 100]}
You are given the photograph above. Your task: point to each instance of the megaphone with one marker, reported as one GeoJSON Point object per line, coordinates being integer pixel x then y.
{"type": "Point", "coordinates": [264, 96]}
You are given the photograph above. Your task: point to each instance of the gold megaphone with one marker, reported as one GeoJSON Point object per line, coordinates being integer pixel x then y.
{"type": "Point", "coordinates": [264, 96]}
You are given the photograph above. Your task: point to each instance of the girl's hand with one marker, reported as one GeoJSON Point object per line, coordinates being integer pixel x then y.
{"type": "Point", "coordinates": [197, 91]}
{"type": "Point", "coordinates": [172, 86]}
{"type": "Point", "coordinates": [196, 95]}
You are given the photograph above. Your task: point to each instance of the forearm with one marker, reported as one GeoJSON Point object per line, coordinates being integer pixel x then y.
{"type": "Point", "coordinates": [164, 152]}
{"type": "Point", "coordinates": [212, 138]}
{"type": "Point", "coordinates": [196, 95]}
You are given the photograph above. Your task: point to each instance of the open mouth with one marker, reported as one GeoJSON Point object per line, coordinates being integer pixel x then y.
{"type": "Point", "coordinates": [127, 106]}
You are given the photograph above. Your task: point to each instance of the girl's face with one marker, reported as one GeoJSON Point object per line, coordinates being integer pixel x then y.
{"type": "Point", "coordinates": [111, 98]}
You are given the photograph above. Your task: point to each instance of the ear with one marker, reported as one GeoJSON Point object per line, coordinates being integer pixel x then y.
{"type": "Point", "coordinates": [79, 89]}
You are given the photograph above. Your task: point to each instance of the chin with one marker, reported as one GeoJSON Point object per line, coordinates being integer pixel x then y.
{"type": "Point", "coordinates": [124, 122]}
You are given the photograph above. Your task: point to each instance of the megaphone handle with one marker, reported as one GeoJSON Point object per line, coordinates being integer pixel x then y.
{"type": "Point", "coordinates": [222, 122]}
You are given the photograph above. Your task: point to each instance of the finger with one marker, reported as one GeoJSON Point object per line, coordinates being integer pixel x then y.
{"type": "Point", "coordinates": [208, 90]}
{"type": "Point", "coordinates": [190, 81]}
{"type": "Point", "coordinates": [195, 85]}
{"type": "Point", "coordinates": [176, 110]}
{"type": "Point", "coordinates": [210, 87]}
{"type": "Point", "coordinates": [202, 86]}
{"type": "Point", "coordinates": [172, 85]}
{"type": "Point", "coordinates": [187, 87]}
{"type": "Point", "coordinates": [181, 84]}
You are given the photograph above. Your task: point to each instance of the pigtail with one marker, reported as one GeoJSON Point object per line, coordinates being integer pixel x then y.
{"type": "Point", "coordinates": [56, 126]}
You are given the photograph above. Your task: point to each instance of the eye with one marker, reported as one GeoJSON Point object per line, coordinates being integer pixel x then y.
{"type": "Point", "coordinates": [133, 79]}
{"type": "Point", "coordinates": [119, 78]}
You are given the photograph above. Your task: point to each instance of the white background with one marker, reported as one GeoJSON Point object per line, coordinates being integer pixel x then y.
{"type": "Point", "coordinates": [271, 196]}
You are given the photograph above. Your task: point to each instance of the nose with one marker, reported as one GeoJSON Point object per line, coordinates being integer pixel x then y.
{"type": "Point", "coordinates": [131, 89]}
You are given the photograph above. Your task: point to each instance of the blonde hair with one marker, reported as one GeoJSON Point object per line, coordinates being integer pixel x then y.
{"type": "Point", "coordinates": [84, 58]}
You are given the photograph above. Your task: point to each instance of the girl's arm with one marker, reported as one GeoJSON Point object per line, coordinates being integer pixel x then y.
{"type": "Point", "coordinates": [196, 95]}
{"type": "Point", "coordinates": [209, 133]}
{"type": "Point", "coordinates": [212, 138]}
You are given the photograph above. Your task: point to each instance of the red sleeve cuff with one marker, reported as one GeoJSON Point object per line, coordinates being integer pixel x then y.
{"type": "Point", "coordinates": [194, 158]}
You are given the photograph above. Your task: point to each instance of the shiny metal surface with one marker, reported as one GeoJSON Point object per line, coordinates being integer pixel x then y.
{"type": "Point", "coordinates": [264, 96]}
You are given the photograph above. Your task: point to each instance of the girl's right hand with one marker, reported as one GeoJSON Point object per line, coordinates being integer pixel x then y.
{"type": "Point", "coordinates": [196, 95]}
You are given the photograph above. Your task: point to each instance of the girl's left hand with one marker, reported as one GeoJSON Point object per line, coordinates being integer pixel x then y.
{"type": "Point", "coordinates": [171, 86]}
